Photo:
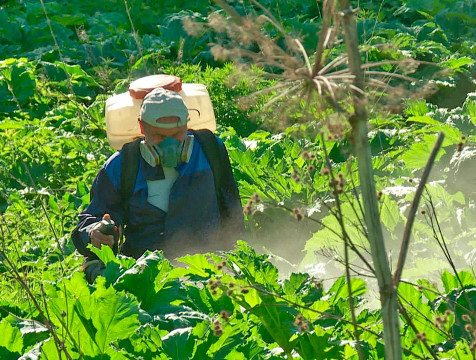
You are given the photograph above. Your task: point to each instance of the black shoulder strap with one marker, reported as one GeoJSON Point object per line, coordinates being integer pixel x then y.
{"type": "Point", "coordinates": [129, 169]}
{"type": "Point", "coordinates": [211, 148]}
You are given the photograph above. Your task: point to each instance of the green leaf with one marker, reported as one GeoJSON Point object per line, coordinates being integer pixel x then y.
{"type": "Point", "coordinates": [11, 342]}
{"type": "Point", "coordinates": [450, 282]}
{"type": "Point", "coordinates": [456, 64]}
{"type": "Point", "coordinates": [108, 316]}
{"type": "Point", "coordinates": [163, 294]}
{"type": "Point", "coordinates": [339, 289]}
{"type": "Point", "coordinates": [295, 283]}
{"type": "Point", "coordinates": [417, 156]}
{"type": "Point", "coordinates": [424, 120]}
{"type": "Point", "coordinates": [390, 213]}
{"type": "Point", "coordinates": [198, 265]}
{"type": "Point", "coordinates": [178, 344]}
{"type": "Point", "coordinates": [105, 254]}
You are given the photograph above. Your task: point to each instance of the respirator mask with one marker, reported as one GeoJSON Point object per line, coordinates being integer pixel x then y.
{"type": "Point", "coordinates": [168, 153]}
{"type": "Point", "coordinates": [159, 104]}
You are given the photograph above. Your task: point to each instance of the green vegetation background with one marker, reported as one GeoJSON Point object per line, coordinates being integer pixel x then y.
{"type": "Point", "coordinates": [59, 63]}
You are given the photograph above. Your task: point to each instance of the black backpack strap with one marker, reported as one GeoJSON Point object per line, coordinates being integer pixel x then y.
{"type": "Point", "coordinates": [129, 169]}
{"type": "Point", "coordinates": [211, 148]}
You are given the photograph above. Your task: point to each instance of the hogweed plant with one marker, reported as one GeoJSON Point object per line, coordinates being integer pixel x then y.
{"type": "Point", "coordinates": [333, 92]}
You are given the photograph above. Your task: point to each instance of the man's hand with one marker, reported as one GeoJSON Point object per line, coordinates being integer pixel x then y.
{"type": "Point", "coordinates": [98, 238]}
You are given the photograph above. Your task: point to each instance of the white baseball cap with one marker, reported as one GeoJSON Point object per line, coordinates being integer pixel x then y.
{"type": "Point", "coordinates": [160, 103]}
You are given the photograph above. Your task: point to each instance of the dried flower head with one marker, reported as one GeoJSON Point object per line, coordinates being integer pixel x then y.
{"type": "Point", "coordinates": [258, 38]}
{"type": "Point", "coordinates": [256, 198]}
{"type": "Point", "coordinates": [298, 214]}
{"type": "Point", "coordinates": [421, 336]}
{"type": "Point", "coordinates": [325, 171]}
{"type": "Point", "coordinates": [247, 210]}
{"type": "Point", "coordinates": [225, 315]}
{"type": "Point", "coordinates": [472, 346]}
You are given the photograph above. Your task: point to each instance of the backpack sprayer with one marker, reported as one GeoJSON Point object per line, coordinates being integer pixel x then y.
{"type": "Point", "coordinates": [122, 110]}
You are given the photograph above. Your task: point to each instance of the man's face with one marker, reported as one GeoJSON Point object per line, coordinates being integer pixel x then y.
{"type": "Point", "coordinates": [158, 134]}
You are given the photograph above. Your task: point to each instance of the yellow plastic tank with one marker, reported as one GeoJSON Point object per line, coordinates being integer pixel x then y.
{"type": "Point", "coordinates": [122, 110]}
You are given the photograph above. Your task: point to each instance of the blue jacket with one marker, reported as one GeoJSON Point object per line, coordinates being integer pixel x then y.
{"type": "Point", "coordinates": [192, 223]}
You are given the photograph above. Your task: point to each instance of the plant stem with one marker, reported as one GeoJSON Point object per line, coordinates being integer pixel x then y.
{"type": "Point", "coordinates": [358, 121]}
{"type": "Point", "coordinates": [413, 210]}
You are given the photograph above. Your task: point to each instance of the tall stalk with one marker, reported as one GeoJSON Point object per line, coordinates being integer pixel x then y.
{"type": "Point", "coordinates": [361, 146]}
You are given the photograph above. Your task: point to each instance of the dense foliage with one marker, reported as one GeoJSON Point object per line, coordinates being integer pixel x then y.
{"type": "Point", "coordinates": [61, 60]}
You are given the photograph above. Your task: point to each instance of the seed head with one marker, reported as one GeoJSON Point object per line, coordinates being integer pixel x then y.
{"type": "Point", "coordinates": [245, 291]}
{"type": "Point", "coordinates": [224, 315]}
{"type": "Point", "coordinates": [305, 155]}
{"type": "Point", "coordinates": [423, 212]}
{"type": "Point", "coordinates": [463, 137]}
{"type": "Point", "coordinates": [440, 320]}
{"type": "Point", "coordinates": [218, 332]}
{"type": "Point", "coordinates": [325, 171]}
{"type": "Point", "coordinates": [466, 317]}
{"type": "Point", "coordinates": [297, 214]}
{"type": "Point", "coordinates": [459, 147]}
{"type": "Point", "coordinates": [247, 209]}
{"type": "Point", "coordinates": [379, 194]}
{"type": "Point", "coordinates": [311, 168]}
{"type": "Point", "coordinates": [299, 320]}
{"type": "Point", "coordinates": [421, 336]}
{"type": "Point", "coordinates": [468, 327]}
{"type": "Point", "coordinates": [304, 327]}
{"type": "Point", "coordinates": [472, 346]}
{"type": "Point", "coordinates": [447, 312]}
{"type": "Point", "coordinates": [256, 198]}
{"type": "Point", "coordinates": [229, 292]}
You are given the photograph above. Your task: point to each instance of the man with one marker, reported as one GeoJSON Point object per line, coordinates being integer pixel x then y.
{"type": "Point", "coordinates": [174, 206]}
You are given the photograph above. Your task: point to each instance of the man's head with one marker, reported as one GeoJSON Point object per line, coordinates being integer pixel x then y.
{"type": "Point", "coordinates": [163, 114]}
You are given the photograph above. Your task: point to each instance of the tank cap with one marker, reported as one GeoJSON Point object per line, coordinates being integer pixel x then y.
{"type": "Point", "coordinates": [139, 88]}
